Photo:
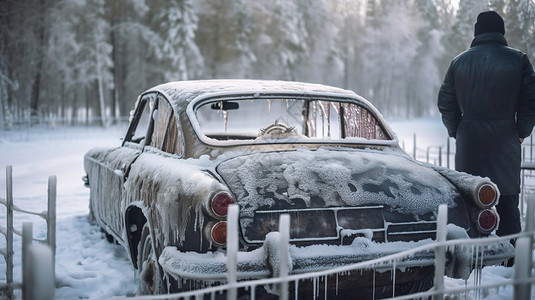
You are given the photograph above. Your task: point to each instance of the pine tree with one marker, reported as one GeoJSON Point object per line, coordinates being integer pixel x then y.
{"type": "Point", "coordinates": [519, 23]}
{"type": "Point", "coordinates": [126, 21]}
{"type": "Point", "coordinates": [462, 31]}
{"type": "Point", "coordinates": [425, 76]}
{"type": "Point", "coordinates": [179, 57]}
{"type": "Point", "coordinates": [225, 37]}
{"type": "Point", "coordinates": [6, 83]}
{"type": "Point", "coordinates": [95, 63]}
{"type": "Point", "coordinates": [285, 35]}
{"type": "Point", "coordinates": [324, 59]}
{"type": "Point", "coordinates": [389, 48]}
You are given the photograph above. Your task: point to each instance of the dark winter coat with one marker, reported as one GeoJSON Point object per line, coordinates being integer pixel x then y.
{"type": "Point", "coordinates": [487, 103]}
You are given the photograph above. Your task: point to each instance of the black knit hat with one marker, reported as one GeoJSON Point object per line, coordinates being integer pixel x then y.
{"type": "Point", "coordinates": [489, 21]}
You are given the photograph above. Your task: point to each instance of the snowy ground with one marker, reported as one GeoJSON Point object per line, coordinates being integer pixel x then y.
{"type": "Point", "coordinates": [87, 266]}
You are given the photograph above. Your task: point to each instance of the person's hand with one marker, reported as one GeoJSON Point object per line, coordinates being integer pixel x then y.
{"type": "Point", "coordinates": [521, 140]}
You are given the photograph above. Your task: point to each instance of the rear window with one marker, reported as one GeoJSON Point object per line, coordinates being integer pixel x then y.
{"type": "Point", "coordinates": [278, 118]}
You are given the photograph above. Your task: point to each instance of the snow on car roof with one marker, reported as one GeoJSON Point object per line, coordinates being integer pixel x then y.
{"type": "Point", "coordinates": [182, 92]}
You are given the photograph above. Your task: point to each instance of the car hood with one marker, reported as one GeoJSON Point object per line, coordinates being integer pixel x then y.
{"type": "Point", "coordinates": [334, 178]}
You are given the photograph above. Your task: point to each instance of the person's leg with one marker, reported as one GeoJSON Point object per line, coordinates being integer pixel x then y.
{"type": "Point", "coordinates": [509, 220]}
{"type": "Point", "coordinates": [509, 215]}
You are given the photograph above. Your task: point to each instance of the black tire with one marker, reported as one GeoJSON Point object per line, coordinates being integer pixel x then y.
{"type": "Point", "coordinates": [149, 272]}
{"type": "Point", "coordinates": [108, 236]}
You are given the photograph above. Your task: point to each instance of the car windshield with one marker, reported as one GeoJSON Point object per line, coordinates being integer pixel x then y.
{"type": "Point", "coordinates": [276, 118]}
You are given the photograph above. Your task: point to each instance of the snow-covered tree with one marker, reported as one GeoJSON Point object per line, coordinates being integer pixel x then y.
{"type": "Point", "coordinates": [95, 63]}
{"type": "Point", "coordinates": [519, 18]}
{"type": "Point", "coordinates": [425, 76]}
{"type": "Point", "coordinates": [5, 111]}
{"type": "Point", "coordinates": [62, 55]}
{"type": "Point", "coordinates": [70, 57]}
{"type": "Point", "coordinates": [282, 40]}
{"type": "Point", "coordinates": [5, 82]}
{"type": "Point", "coordinates": [462, 32]}
{"type": "Point", "coordinates": [21, 25]}
{"type": "Point", "coordinates": [176, 23]}
{"type": "Point", "coordinates": [388, 51]}
{"type": "Point", "coordinates": [529, 27]}
{"type": "Point", "coordinates": [326, 48]}
{"type": "Point", "coordinates": [127, 27]}
{"type": "Point", "coordinates": [225, 37]}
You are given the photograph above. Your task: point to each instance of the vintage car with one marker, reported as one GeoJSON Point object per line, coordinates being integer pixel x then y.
{"type": "Point", "coordinates": [321, 154]}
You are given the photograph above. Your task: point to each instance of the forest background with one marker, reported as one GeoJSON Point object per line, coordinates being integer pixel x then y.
{"type": "Point", "coordinates": [85, 61]}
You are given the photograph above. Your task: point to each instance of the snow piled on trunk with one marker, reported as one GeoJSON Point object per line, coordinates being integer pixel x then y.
{"type": "Point", "coordinates": [339, 177]}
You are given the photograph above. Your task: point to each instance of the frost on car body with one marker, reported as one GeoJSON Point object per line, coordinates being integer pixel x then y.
{"type": "Point", "coordinates": [323, 155]}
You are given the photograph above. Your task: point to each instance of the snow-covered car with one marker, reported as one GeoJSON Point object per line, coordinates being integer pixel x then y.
{"type": "Point", "coordinates": [321, 154]}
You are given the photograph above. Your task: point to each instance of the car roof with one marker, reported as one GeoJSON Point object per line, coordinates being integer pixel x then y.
{"type": "Point", "coordinates": [180, 93]}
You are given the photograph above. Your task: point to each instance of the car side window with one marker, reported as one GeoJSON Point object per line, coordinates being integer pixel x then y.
{"type": "Point", "coordinates": [160, 117]}
{"type": "Point", "coordinates": [139, 125]}
{"type": "Point", "coordinates": [166, 133]}
{"type": "Point", "coordinates": [173, 138]}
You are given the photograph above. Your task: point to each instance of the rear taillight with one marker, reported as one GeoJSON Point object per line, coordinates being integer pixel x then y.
{"type": "Point", "coordinates": [220, 203]}
{"type": "Point", "coordinates": [219, 233]}
{"type": "Point", "coordinates": [486, 196]}
{"type": "Point", "coordinates": [487, 220]}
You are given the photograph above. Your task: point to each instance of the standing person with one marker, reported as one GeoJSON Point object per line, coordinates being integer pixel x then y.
{"type": "Point", "coordinates": [487, 102]}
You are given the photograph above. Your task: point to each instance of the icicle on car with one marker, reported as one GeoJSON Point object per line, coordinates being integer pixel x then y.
{"type": "Point", "coordinates": [323, 155]}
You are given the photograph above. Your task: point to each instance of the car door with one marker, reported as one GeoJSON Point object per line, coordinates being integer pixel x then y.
{"type": "Point", "coordinates": [116, 165]}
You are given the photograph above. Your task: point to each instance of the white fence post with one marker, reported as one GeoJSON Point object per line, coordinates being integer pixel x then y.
{"type": "Point", "coordinates": [232, 250]}
{"type": "Point", "coordinates": [522, 291]}
{"type": "Point", "coordinates": [9, 230]}
{"type": "Point", "coordinates": [27, 237]}
{"type": "Point", "coordinates": [523, 257]}
{"type": "Point", "coordinates": [41, 273]}
{"type": "Point", "coordinates": [284, 230]}
{"type": "Point", "coordinates": [51, 219]}
{"type": "Point", "coordinates": [448, 153]}
{"type": "Point", "coordinates": [440, 251]}
{"type": "Point", "coordinates": [530, 216]}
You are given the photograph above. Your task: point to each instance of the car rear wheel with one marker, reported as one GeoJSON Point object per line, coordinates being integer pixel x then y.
{"type": "Point", "coordinates": [149, 275]}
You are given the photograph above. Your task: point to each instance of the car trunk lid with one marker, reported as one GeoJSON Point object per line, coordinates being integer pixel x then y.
{"type": "Point", "coordinates": [327, 184]}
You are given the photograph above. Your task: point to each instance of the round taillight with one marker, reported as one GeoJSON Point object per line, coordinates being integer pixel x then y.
{"type": "Point", "coordinates": [487, 195]}
{"type": "Point", "coordinates": [487, 220]}
{"type": "Point", "coordinates": [219, 233]}
{"type": "Point", "coordinates": [220, 203]}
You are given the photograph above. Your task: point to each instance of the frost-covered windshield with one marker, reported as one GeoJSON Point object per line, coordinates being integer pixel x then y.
{"type": "Point", "coordinates": [251, 119]}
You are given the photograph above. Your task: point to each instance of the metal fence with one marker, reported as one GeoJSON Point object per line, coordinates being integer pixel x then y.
{"type": "Point", "coordinates": [444, 154]}
{"type": "Point", "coordinates": [522, 281]}
{"type": "Point", "coordinates": [9, 231]}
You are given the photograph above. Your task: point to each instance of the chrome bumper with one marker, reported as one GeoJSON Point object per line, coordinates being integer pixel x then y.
{"type": "Point", "coordinates": [263, 262]}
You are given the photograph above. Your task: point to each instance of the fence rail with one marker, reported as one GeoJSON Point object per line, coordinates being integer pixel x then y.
{"type": "Point", "coordinates": [444, 154]}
